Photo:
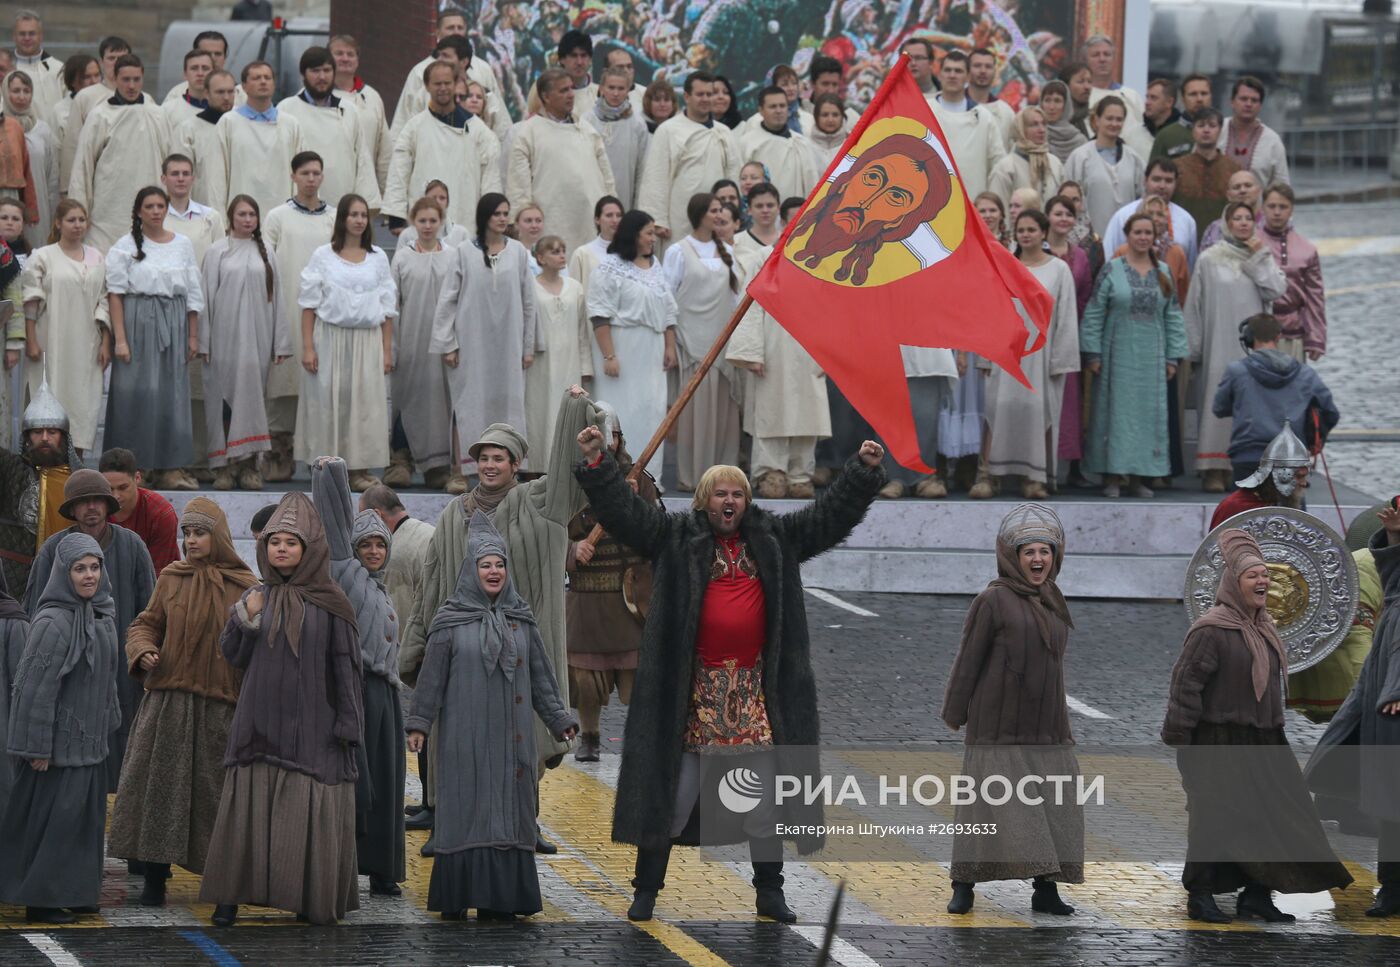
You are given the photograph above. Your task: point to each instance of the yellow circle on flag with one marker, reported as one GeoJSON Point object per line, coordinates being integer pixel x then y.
{"type": "Point", "coordinates": [893, 206]}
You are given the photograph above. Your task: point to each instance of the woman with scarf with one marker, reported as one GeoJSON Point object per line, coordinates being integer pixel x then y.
{"type": "Point", "coordinates": [1061, 134]}
{"type": "Point", "coordinates": [14, 631]}
{"type": "Point", "coordinates": [1083, 234]}
{"type": "Point", "coordinates": [1030, 163]}
{"type": "Point", "coordinates": [829, 129]}
{"type": "Point", "coordinates": [1252, 826]}
{"type": "Point", "coordinates": [359, 550]}
{"type": "Point", "coordinates": [1079, 86]}
{"type": "Point", "coordinates": [1007, 686]}
{"type": "Point", "coordinates": [42, 145]}
{"type": "Point", "coordinates": [285, 833]}
{"type": "Point", "coordinates": [63, 710]}
{"type": "Point", "coordinates": [485, 677]}
{"type": "Point", "coordinates": [1234, 279]}
{"type": "Point", "coordinates": [173, 773]}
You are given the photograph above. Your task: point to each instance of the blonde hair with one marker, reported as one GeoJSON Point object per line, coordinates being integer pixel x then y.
{"type": "Point", "coordinates": [712, 478]}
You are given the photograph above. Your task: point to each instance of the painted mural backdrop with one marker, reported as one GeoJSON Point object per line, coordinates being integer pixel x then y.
{"type": "Point", "coordinates": [745, 39]}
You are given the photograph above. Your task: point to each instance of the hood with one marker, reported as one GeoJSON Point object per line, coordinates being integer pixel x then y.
{"type": "Point", "coordinates": [1272, 367]}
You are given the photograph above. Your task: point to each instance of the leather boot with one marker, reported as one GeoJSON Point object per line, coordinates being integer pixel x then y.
{"type": "Point", "coordinates": [153, 892]}
{"type": "Point", "coordinates": [643, 905]}
{"type": "Point", "coordinates": [383, 886]}
{"type": "Point", "coordinates": [648, 879]}
{"type": "Point", "coordinates": [1256, 900]}
{"type": "Point", "coordinates": [770, 902]}
{"type": "Point", "coordinates": [225, 915]}
{"type": "Point", "coordinates": [1045, 898]}
{"type": "Point", "coordinates": [223, 479]}
{"type": "Point", "coordinates": [423, 819]}
{"type": "Point", "coordinates": [1201, 905]}
{"type": "Point", "coordinates": [55, 915]}
{"type": "Point", "coordinates": [1387, 902]}
{"type": "Point", "coordinates": [588, 746]}
{"type": "Point", "coordinates": [961, 903]}
{"type": "Point", "coordinates": [543, 846]}
{"type": "Point", "coordinates": [248, 476]}
{"type": "Point", "coordinates": [400, 470]}
{"type": "Point", "coordinates": [983, 488]}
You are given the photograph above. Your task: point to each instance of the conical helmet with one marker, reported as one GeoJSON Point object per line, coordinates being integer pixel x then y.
{"type": "Point", "coordinates": [44, 412]}
{"type": "Point", "coordinates": [1285, 452]}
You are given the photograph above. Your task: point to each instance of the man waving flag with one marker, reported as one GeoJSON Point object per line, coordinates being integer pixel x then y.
{"type": "Point", "coordinates": [889, 252]}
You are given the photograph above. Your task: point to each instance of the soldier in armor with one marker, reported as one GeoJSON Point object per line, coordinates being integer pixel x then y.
{"type": "Point", "coordinates": [605, 607]}
{"type": "Point", "coordinates": [31, 485]}
{"type": "Point", "coordinates": [1279, 481]}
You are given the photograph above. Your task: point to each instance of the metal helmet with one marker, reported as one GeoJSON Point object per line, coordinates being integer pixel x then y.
{"type": "Point", "coordinates": [1284, 454]}
{"type": "Point", "coordinates": [611, 424]}
{"type": "Point", "coordinates": [44, 412]}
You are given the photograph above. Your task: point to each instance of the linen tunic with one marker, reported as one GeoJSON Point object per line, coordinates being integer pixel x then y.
{"type": "Point", "coordinates": [1014, 171]}
{"type": "Point", "coordinates": [256, 161]}
{"type": "Point", "coordinates": [1226, 289]}
{"type": "Point", "coordinates": [42, 144]}
{"type": "Point", "coordinates": [1266, 157]}
{"type": "Point", "coordinates": [486, 314]}
{"type": "Point", "coordinates": [976, 142]}
{"type": "Point", "coordinates": [567, 357]}
{"type": "Point", "coordinates": [1107, 188]}
{"type": "Point", "coordinates": [685, 158]}
{"type": "Point", "coordinates": [466, 160]}
{"type": "Point", "coordinates": [339, 135]}
{"type": "Point", "coordinates": [1135, 330]}
{"type": "Point", "coordinates": [342, 407]}
{"type": "Point", "coordinates": [119, 152]}
{"type": "Point", "coordinates": [563, 167]}
{"type": "Point", "coordinates": [586, 258]}
{"type": "Point", "coordinates": [626, 141]}
{"type": "Point", "coordinates": [292, 235]}
{"type": "Point", "coordinates": [373, 119]}
{"type": "Point", "coordinates": [198, 139]}
{"type": "Point", "coordinates": [421, 398]}
{"type": "Point", "coordinates": [72, 299]}
{"type": "Point", "coordinates": [242, 331]}
{"type": "Point", "coordinates": [790, 160]}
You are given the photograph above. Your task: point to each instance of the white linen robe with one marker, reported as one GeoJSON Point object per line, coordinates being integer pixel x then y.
{"type": "Point", "coordinates": [1014, 171]}
{"type": "Point", "coordinates": [119, 153]}
{"type": "Point", "coordinates": [464, 159]}
{"type": "Point", "coordinates": [684, 159]}
{"type": "Point", "coordinates": [198, 139]}
{"type": "Point", "coordinates": [487, 315]}
{"type": "Point", "coordinates": [413, 96]}
{"type": "Point", "coordinates": [1225, 291]}
{"type": "Point", "coordinates": [563, 167]}
{"type": "Point", "coordinates": [80, 105]}
{"type": "Point", "coordinates": [292, 237]}
{"type": "Point", "coordinates": [1107, 188]}
{"type": "Point", "coordinates": [585, 259]}
{"type": "Point", "coordinates": [256, 161]}
{"type": "Point", "coordinates": [340, 136]}
{"type": "Point", "coordinates": [240, 96]}
{"type": "Point", "coordinates": [43, 164]}
{"type": "Point", "coordinates": [976, 142]}
{"type": "Point", "coordinates": [419, 386]}
{"type": "Point", "coordinates": [72, 300]}
{"type": "Point", "coordinates": [46, 74]}
{"type": "Point", "coordinates": [178, 111]}
{"type": "Point", "coordinates": [626, 141]}
{"type": "Point", "coordinates": [791, 161]}
{"type": "Point", "coordinates": [567, 357]}
{"type": "Point", "coordinates": [376, 125]}
{"type": "Point", "coordinates": [1019, 417]}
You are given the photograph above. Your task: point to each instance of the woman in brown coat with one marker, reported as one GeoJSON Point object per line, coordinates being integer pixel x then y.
{"type": "Point", "coordinates": [1251, 824]}
{"type": "Point", "coordinates": [1008, 687]}
{"type": "Point", "coordinates": [173, 772]}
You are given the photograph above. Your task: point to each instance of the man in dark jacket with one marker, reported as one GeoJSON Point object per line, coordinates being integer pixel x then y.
{"type": "Point", "coordinates": [1265, 389]}
{"type": "Point", "coordinates": [725, 654]}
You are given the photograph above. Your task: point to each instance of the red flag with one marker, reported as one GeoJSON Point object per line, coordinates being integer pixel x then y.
{"type": "Point", "coordinates": [889, 252]}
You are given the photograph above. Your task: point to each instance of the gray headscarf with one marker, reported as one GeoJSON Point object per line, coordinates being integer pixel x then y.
{"type": "Point", "coordinates": [1063, 135]}
{"type": "Point", "coordinates": [368, 524]}
{"type": "Point", "coordinates": [470, 604]}
{"type": "Point", "coordinates": [60, 594]}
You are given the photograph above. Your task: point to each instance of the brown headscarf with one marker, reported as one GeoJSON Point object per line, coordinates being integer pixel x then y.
{"type": "Point", "coordinates": [212, 576]}
{"type": "Point", "coordinates": [1233, 611]}
{"type": "Point", "coordinates": [1030, 524]}
{"type": "Point", "coordinates": [311, 581]}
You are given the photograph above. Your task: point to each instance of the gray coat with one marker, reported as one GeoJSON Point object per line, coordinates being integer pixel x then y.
{"type": "Point", "coordinates": [376, 618]}
{"type": "Point", "coordinates": [13, 633]}
{"type": "Point", "coordinates": [64, 705]}
{"type": "Point", "coordinates": [1339, 769]}
{"type": "Point", "coordinates": [486, 673]}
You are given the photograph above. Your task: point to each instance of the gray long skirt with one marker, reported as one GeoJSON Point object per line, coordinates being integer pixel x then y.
{"type": "Point", "coordinates": [51, 837]}
{"type": "Point", "coordinates": [172, 779]}
{"type": "Point", "coordinates": [379, 788]}
{"type": "Point", "coordinates": [148, 402]}
{"type": "Point", "coordinates": [283, 840]}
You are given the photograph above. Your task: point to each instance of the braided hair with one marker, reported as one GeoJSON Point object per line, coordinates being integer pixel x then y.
{"type": "Point", "coordinates": [257, 236]}
{"type": "Point", "coordinates": [137, 236]}
{"type": "Point", "coordinates": [696, 210]}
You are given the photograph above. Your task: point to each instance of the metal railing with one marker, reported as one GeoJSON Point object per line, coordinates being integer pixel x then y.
{"type": "Point", "coordinates": [1352, 149]}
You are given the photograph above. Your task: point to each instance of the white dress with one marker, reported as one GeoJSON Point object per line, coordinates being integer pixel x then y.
{"type": "Point", "coordinates": [586, 258]}
{"type": "Point", "coordinates": [1107, 187]}
{"type": "Point", "coordinates": [343, 407]}
{"type": "Point", "coordinates": [638, 306]}
{"type": "Point", "coordinates": [562, 323]}
{"type": "Point", "coordinates": [292, 234]}
{"type": "Point", "coordinates": [421, 399]}
{"type": "Point", "coordinates": [72, 299]}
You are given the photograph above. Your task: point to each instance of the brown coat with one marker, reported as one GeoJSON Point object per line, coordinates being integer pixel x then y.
{"type": "Point", "coordinates": [1212, 682]}
{"type": "Point", "coordinates": [1008, 684]}
{"type": "Point", "coordinates": [597, 619]}
{"type": "Point", "coordinates": [185, 632]}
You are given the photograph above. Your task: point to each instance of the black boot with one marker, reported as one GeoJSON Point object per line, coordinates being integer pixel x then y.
{"type": "Point", "coordinates": [1201, 905]}
{"type": "Point", "coordinates": [383, 886]}
{"type": "Point", "coordinates": [423, 819]}
{"type": "Point", "coordinates": [494, 915]}
{"type": "Point", "coordinates": [544, 846]}
{"type": "Point", "coordinates": [589, 744]}
{"type": "Point", "coordinates": [225, 915]}
{"type": "Point", "coordinates": [427, 848]}
{"type": "Point", "coordinates": [52, 915]}
{"type": "Point", "coordinates": [1256, 900]}
{"type": "Point", "coordinates": [1045, 898]}
{"type": "Point", "coordinates": [648, 879]}
{"type": "Point", "coordinates": [153, 893]}
{"type": "Point", "coordinates": [962, 898]}
{"type": "Point", "coordinates": [643, 903]}
{"type": "Point", "coordinates": [135, 868]}
{"type": "Point", "coordinates": [770, 902]}
{"type": "Point", "coordinates": [768, 882]}
{"type": "Point", "coordinates": [1387, 902]}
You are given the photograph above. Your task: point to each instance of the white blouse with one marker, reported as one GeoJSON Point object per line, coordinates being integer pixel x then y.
{"type": "Point", "coordinates": [625, 295]}
{"type": "Point", "coordinates": [354, 295]}
{"type": "Point", "coordinates": [167, 269]}
{"type": "Point", "coordinates": [708, 252]}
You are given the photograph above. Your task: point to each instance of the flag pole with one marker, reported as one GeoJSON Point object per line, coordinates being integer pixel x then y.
{"type": "Point", "coordinates": [682, 401]}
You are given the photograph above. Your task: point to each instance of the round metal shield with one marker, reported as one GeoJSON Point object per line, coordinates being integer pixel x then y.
{"type": "Point", "coordinates": [1313, 591]}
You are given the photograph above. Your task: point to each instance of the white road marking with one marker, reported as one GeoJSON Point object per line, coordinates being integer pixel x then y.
{"type": "Point", "coordinates": [1087, 710]}
{"type": "Point", "coordinates": [52, 949]}
{"type": "Point", "coordinates": [843, 952]}
{"type": "Point", "coordinates": [832, 599]}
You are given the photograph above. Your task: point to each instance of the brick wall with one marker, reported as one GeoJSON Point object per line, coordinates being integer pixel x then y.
{"type": "Point", "coordinates": [393, 37]}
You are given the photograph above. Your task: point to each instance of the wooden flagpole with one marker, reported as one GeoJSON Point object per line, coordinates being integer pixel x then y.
{"type": "Point", "coordinates": [682, 401]}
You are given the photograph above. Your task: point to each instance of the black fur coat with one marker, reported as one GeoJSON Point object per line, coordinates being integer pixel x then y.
{"type": "Point", "coordinates": [681, 549]}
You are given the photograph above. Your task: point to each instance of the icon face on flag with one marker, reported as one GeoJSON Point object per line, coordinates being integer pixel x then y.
{"type": "Point", "coordinates": [884, 212]}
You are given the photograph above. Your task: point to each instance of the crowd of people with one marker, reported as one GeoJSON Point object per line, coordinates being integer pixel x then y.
{"type": "Point", "coordinates": [241, 302]}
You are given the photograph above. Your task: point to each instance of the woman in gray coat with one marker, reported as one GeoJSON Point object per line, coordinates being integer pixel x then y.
{"type": "Point", "coordinates": [64, 708]}
{"type": "Point", "coordinates": [487, 674]}
{"type": "Point", "coordinates": [14, 631]}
